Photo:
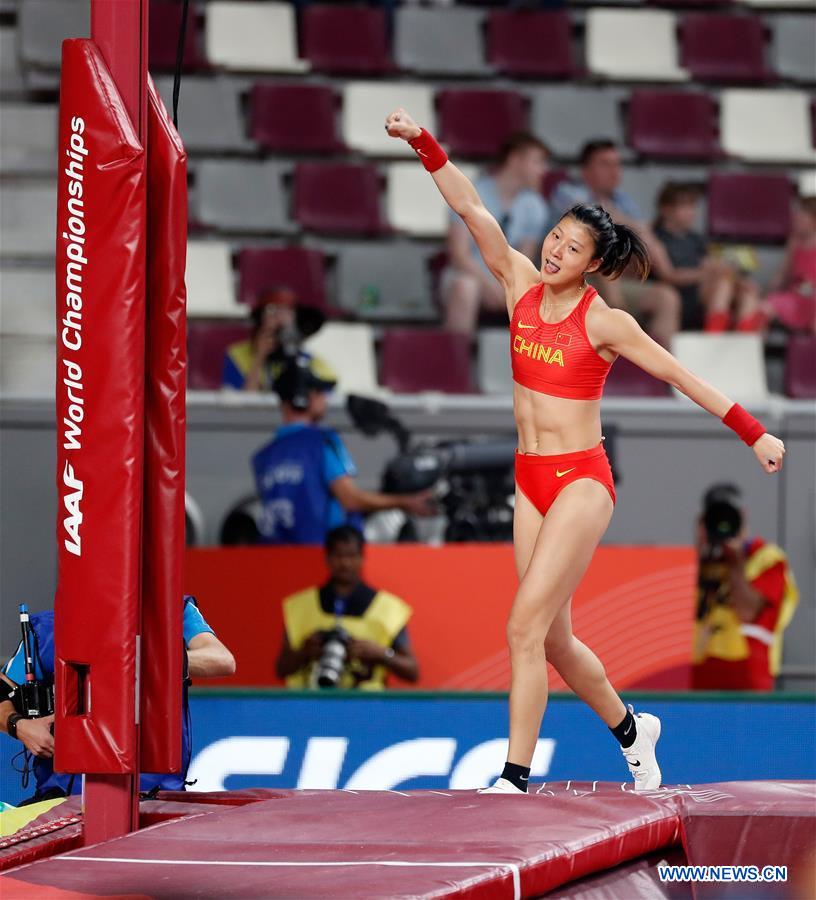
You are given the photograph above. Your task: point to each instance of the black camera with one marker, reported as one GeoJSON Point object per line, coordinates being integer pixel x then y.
{"type": "Point", "coordinates": [34, 698]}
{"type": "Point", "coordinates": [722, 516]}
{"type": "Point", "coordinates": [333, 657]}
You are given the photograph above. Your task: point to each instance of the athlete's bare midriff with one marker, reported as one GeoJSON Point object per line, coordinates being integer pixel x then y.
{"type": "Point", "coordinates": [549, 424]}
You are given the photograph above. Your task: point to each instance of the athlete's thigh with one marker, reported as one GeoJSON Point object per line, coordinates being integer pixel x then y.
{"type": "Point", "coordinates": [526, 525]}
{"type": "Point", "coordinates": [568, 536]}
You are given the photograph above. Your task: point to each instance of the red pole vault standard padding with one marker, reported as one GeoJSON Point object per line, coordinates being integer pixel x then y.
{"type": "Point", "coordinates": [100, 276]}
{"type": "Point", "coordinates": [165, 416]}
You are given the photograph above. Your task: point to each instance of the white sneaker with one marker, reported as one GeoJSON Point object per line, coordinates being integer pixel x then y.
{"type": "Point", "coordinates": [501, 786]}
{"type": "Point", "coordinates": [640, 757]}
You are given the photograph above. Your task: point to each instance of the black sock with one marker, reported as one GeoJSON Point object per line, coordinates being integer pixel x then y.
{"type": "Point", "coordinates": [517, 775]}
{"type": "Point", "coordinates": [626, 732]}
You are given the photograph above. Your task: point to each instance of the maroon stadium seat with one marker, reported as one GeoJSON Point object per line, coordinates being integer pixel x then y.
{"type": "Point", "coordinates": [701, 3]}
{"type": "Point", "coordinates": [673, 124]}
{"type": "Point", "coordinates": [351, 39]}
{"type": "Point", "coordinates": [749, 207]}
{"type": "Point", "coordinates": [341, 197]}
{"type": "Point", "coordinates": [163, 35]}
{"type": "Point", "coordinates": [625, 379]}
{"type": "Point", "coordinates": [476, 123]}
{"type": "Point", "coordinates": [206, 344]}
{"type": "Point", "coordinates": [263, 268]}
{"type": "Point", "coordinates": [413, 360]}
{"type": "Point", "coordinates": [722, 47]}
{"type": "Point", "coordinates": [551, 180]}
{"type": "Point", "coordinates": [294, 118]}
{"type": "Point", "coordinates": [521, 42]}
{"type": "Point", "coordinates": [800, 368]}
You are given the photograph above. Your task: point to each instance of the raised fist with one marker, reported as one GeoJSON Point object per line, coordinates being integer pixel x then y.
{"type": "Point", "coordinates": [400, 125]}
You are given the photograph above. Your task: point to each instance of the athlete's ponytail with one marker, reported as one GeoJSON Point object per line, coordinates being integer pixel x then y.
{"type": "Point", "coordinates": [616, 245]}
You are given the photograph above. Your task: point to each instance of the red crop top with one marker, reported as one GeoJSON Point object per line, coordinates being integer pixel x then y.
{"type": "Point", "coordinates": [556, 359]}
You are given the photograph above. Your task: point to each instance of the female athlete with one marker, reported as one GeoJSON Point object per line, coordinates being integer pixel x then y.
{"type": "Point", "coordinates": [563, 340]}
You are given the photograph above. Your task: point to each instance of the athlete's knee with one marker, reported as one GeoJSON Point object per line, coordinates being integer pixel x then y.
{"type": "Point", "coordinates": [526, 634]}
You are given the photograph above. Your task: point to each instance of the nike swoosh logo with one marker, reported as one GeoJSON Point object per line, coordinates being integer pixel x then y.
{"type": "Point", "coordinates": [565, 472]}
{"type": "Point", "coordinates": [636, 763]}
{"type": "Point", "coordinates": [422, 153]}
{"type": "Point", "coordinates": [627, 730]}
{"type": "Point", "coordinates": [524, 777]}
{"type": "Point", "coordinates": [522, 325]}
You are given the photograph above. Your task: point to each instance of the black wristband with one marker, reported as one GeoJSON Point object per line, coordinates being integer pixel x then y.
{"type": "Point", "coordinates": [11, 724]}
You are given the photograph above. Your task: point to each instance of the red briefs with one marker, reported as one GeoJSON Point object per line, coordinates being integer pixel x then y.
{"type": "Point", "coordinates": [542, 478]}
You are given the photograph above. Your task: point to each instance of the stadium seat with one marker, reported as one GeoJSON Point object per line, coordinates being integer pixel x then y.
{"type": "Point", "coordinates": [385, 281]}
{"type": "Point", "coordinates": [27, 366]}
{"type": "Point", "coordinates": [294, 118]}
{"type": "Point", "coordinates": [338, 197]}
{"type": "Point", "coordinates": [27, 302]}
{"type": "Point", "coordinates": [625, 379]}
{"type": "Point", "coordinates": [366, 105]}
{"type": "Point", "coordinates": [413, 202]}
{"type": "Point", "coordinates": [242, 196]}
{"type": "Point", "coordinates": [800, 368]}
{"type": "Point", "coordinates": [643, 183]}
{"type": "Point", "coordinates": [673, 125]}
{"type": "Point", "coordinates": [476, 123]}
{"type": "Point", "coordinates": [11, 75]}
{"type": "Point", "coordinates": [210, 287]}
{"type": "Point", "coordinates": [348, 39]}
{"type": "Point", "coordinates": [209, 114]}
{"type": "Point", "coordinates": [206, 344]}
{"type": "Point", "coordinates": [44, 24]}
{"type": "Point", "coordinates": [523, 43]}
{"type": "Point", "coordinates": [440, 41]}
{"type": "Point", "coordinates": [779, 4]}
{"type": "Point", "coordinates": [749, 207]}
{"type": "Point", "coordinates": [495, 376]}
{"type": "Point", "coordinates": [164, 26]}
{"type": "Point", "coordinates": [27, 220]}
{"type": "Point", "coordinates": [348, 347]}
{"type": "Point", "coordinates": [28, 138]}
{"type": "Point", "coordinates": [299, 268]}
{"type": "Point", "coordinates": [722, 47]}
{"type": "Point", "coordinates": [785, 132]}
{"type": "Point", "coordinates": [733, 363]}
{"type": "Point", "coordinates": [794, 47]}
{"type": "Point", "coordinates": [253, 37]}
{"type": "Point", "coordinates": [806, 181]}
{"type": "Point", "coordinates": [632, 45]}
{"type": "Point", "coordinates": [580, 114]}
{"type": "Point", "coordinates": [414, 360]}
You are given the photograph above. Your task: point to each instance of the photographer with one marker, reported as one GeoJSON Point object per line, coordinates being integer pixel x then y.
{"type": "Point", "coordinates": [746, 598]}
{"type": "Point", "coordinates": [345, 634]}
{"type": "Point", "coordinates": [304, 475]}
{"type": "Point", "coordinates": [207, 657]}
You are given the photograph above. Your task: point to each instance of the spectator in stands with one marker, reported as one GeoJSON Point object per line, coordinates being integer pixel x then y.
{"type": "Point", "coordinates": [253, 365]}
{"type": "Point", "coordinates": [793, 289]}
{"type": "Point", "coordinates": [345, 634]}
{"type": "Point", "coordinates": [746, 598]}
{"type": "Point", "coordinates": [207, 657]}
{"type": "Point", "coordinates": [710, 286]}
{"type": "Point", "coordinates": [600, 183]}
{"type": "Point", "coordinates": [513, 196]}
{"type": "Point", "coordinates": [305, 477]}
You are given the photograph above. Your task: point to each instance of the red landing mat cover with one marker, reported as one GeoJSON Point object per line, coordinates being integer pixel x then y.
{"type": "Point", "coordinates": [375, 844]}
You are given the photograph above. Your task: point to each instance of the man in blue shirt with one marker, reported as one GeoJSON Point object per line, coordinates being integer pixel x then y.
{"type": "Point", "coordinates": [512, 194]}
{"type": "Point", "coordinates": [207, 657]}
{"type": "Point", "coordinates": [601, 174]}
{"type": "Point", "coordinates": [305, 476]}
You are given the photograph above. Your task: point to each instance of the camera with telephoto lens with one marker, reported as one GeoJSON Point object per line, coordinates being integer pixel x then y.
{"type": "Point", "coordinates": [722, 516]}
{"type": "Point", "coordinates": [33, 699]}
{"type": "Point", "coordinates": [333, 657]}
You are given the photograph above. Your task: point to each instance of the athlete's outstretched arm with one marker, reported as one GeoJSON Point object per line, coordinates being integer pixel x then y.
{"type": "Point", "coordinates": [617, 331]}
{"type": "Point", "coordinates": [462, 197]}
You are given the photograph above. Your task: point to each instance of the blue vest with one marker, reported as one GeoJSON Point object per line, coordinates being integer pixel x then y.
{"type": "Point", "coordinates": [295, 499]}
{"type": "Point", "coordinates": [42, 625]}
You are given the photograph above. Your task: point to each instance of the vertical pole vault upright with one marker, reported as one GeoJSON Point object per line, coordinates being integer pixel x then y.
{"type": "Point", "coordinates": [100, 298]}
